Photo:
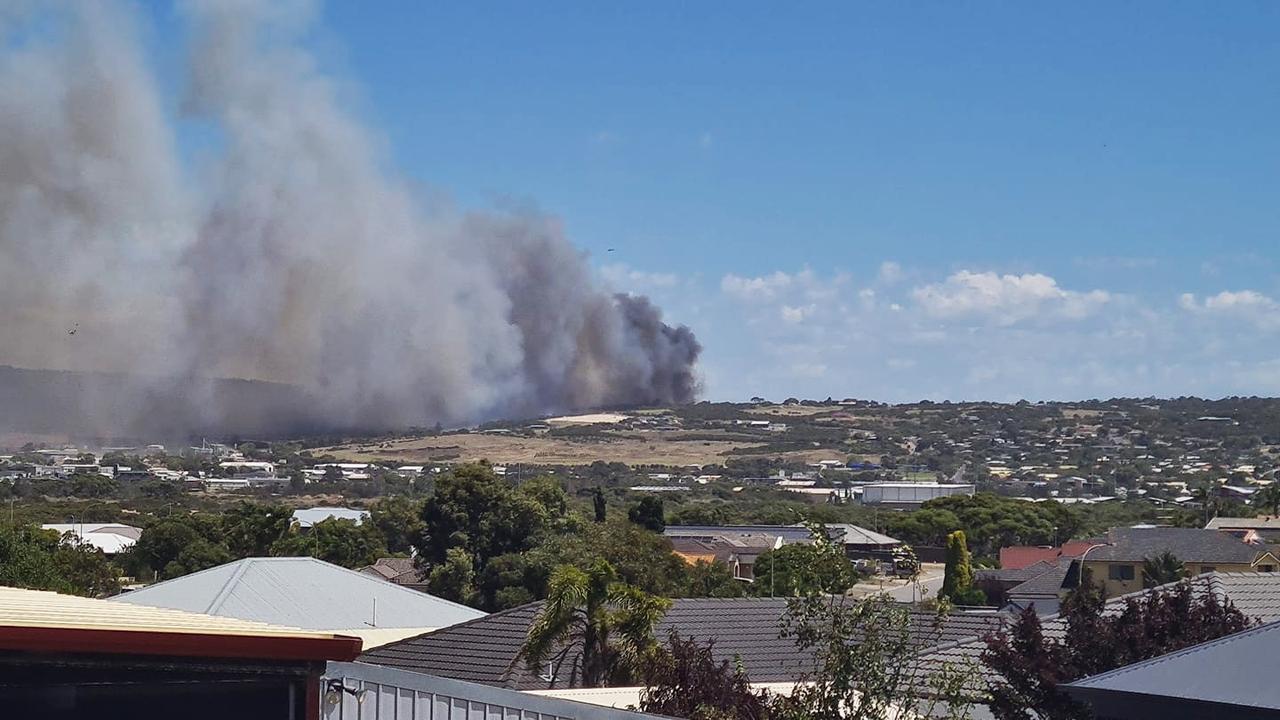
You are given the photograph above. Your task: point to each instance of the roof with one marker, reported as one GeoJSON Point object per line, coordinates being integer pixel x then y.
{"type": "Point", "coordinates": [36, 621]}
{"type": "Point", "coordinates": [1257, 595]}
{"type": "Point", "coordinates": [1271, 522]}
{"type": "Point", "coordinates": [110, 538]}
{"type": "Point", "coordinates": [301, 592]}
{"type": "Point", "coordinates": [310, 516]}
{"type": "Point", "coordinates": [843, 532]}
{"type": "Point", "coordinates": [1235, 670]}
{"type": "Point", "coordinates": [1020, 557]}
{"type": "Point", "coordinates": [745, 629]}
{"type": "Point", "coordinates": [1187, 544]}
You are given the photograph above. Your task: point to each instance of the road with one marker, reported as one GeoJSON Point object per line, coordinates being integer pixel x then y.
{"type": "Point", "coordinates": [929, 581]}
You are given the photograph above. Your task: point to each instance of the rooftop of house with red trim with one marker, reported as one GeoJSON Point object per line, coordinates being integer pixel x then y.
{"type": "Point", "coordinates": [39, 621]}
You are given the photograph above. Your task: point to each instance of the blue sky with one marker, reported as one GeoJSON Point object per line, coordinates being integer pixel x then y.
{"type": "Point", "coordinates": [893, 200]}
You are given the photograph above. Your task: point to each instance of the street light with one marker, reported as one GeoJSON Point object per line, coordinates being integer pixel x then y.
{"type": "Point", "coordinates": [1083, 557]}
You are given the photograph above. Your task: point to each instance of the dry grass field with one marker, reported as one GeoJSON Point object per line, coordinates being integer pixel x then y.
{"type": "Point", "coordinates": [635, 448]}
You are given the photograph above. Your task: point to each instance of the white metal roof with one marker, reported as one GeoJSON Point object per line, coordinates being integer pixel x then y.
{"type": "Point", "coordinates": [310, 516]}
{"type": "Point", "coordinates": [301, 592]}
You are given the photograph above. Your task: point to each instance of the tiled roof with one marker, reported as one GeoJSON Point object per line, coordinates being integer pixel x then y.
{"type": "Point", "coordinates": [1187, 544]}
{"type": "Point", "coordinates": [1257, 595]}
{"type": "Point", "coordinates": [1268, 522]}
{"type": "Point", "coordinates": [746, 629]}
{"type": "Point", "coordinates": [1048, 581]}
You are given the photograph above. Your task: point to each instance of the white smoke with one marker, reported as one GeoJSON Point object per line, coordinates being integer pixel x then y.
{"type": "Point", "coordinates": [292, 255]}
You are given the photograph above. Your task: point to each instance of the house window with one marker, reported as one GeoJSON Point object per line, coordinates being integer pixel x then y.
{"type": "Point", "coordinates": [1120, 572]}
{"type": "Point", "coordinates": [1207, 568]}
{"type": "Point", "coordinates": [1266, 568]}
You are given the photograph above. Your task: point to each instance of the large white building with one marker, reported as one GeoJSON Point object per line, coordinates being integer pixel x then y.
{"type": "Point", "coordinates": [904, 494]}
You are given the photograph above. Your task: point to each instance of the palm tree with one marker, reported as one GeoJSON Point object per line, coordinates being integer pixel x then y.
{"type": "Point", "coordinates": [602, 627]}
{"type": "Point", "coordinates": [1162, 570]}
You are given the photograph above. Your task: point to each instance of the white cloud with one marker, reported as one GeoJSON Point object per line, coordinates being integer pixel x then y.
{"type": "Point", "coordinates": [1006, 299]}
{"type": "Point", "coordinates": [623, 277]}
{"type": "Point", "coordinates": [890, 272]}
{"type": "Point", "coordinates": [766, 287]}
{"type": "Point", "coordinates": [1249, 305]}
{"type": "Point", "coordinates": [797, 314]}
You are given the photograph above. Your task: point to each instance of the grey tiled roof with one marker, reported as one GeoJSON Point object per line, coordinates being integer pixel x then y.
{"type": "Point", "coordinates": [1257, 595]}
{"type": "Point", "coordinates": [1187, 544]}
{"type": "Point", "coordinates": [745, 629]}
{"type": "Point", "coordinates": [1048, 581]}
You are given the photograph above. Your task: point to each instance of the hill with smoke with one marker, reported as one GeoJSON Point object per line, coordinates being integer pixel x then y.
{"type": "Point", "coordinates": [285, 251]}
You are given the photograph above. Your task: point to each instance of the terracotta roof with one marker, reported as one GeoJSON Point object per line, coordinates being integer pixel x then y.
{"type": "Point", "coordinates": [36, 620]}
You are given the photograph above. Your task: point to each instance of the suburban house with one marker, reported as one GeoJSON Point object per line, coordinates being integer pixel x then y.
{"type": "Point", "coordinates": [1266, 527]}
{"type": "Point", "coordinates": [739, 545]}
{"type": "Point", "coordinates": [1231, 677]}
{"type": "Point", "coordinates": [748, 631]}
{"type": "Point", "coordinates": [401, 571]}
{"type": "Point", "coordinates": [306, 593]}
{"type": "Point", "coordinates": [1116, 562]}
{"type": "Point", "coordinates": [1042, 585]}
{"type": "Point", "coordinates": [737, 552]}
{"type": "Point", "coordinates": [110, 538]}
{"type": "Point", "coordinates": [73, 657]}
{"type": "Point", "coordinates": [1021, 556]}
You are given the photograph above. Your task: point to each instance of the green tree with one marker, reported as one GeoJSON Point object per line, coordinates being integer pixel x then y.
{"type": "Point", "coordinates": [1162, 569]}
{"type": "Point", "coordinates": [800, 569]}
{"type": "Point", "coordinates": [163, 541]}
{"type": "Point", "coordinates": [602, 628]}
{"type": "Point", "coordinates": [251, 529]}
{"type": "Point", "coordinates": [454, 578]}
{"type": "Point", "coordinates": [713, 579]}
{"type": "Point", "coordinates": [599, 505]}
{"type": "Point", "coordinates": [474, 510]}
{"type": "Point", "coordinates": [648, 513]}
{"type": "Point", "coordinates": [341, 542]}
{"type": "Point", "coordinates": [957, 580]}
{"type": "Point", "coordinates": [92, 486]}
{"type": "Point", "coordinates": [41, 560]}
{"type": "Point", "coordinates": [399, 519]}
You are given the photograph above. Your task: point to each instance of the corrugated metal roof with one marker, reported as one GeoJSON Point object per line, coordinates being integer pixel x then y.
{"type": "Point", "coordinates": [301, 592]}
{"type": "Point", "coordinates": [42, 609]}
{"type": "Point", "coordinates": [1235, 670]}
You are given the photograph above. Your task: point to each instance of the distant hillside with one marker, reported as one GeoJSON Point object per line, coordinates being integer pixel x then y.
{"type": "Point", "coordinates": [114, 405]}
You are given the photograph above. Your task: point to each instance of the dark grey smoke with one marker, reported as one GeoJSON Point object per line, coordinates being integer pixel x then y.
{"type": "Point", "coordinates": [288, 252]}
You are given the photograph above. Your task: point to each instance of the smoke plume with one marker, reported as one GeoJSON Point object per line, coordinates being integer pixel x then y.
{"type": "Point", "coordinates": [283, 250]}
